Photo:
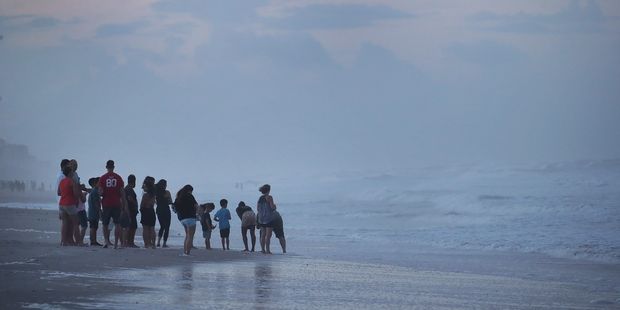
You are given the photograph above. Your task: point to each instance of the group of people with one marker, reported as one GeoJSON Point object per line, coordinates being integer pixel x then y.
{"type": "Point", "coordinates": [110, 200]}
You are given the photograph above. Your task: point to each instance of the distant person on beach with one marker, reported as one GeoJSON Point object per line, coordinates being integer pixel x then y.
{"type": "Point", "coordinates": [94, 210]}
{"type": "Point", "coordinates": [206, 223]}
{"type": "Point", "coordinates": [81, 207]}
{"type": "Point", "coordinates": [265, 208]}
{"type": "Point", "coordinates": [248, 222]}
{"type": "Point", "coordinates": [278, 229]}
{"type": "Point", "coordinates": [59, 177]}
{"type": "Point", "coordinates": [129, 221]}
{"type": "Point", "coordinates": [186, 205]}
{"type": "Point", "coordinates": [223, 217]}
{"type": "Point", "coordinates": [111, 188]}
{"type": "Point", "coordinates": [69, 193]}
{"type": "Point", "coordinates": [163, 199]}
{"type": "Point", "coordinates": [147, 209]}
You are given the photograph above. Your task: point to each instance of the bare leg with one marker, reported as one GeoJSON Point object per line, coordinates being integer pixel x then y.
{"type": "Point", "coordinates": [153, 236]}
{"type": "Point", "coordinates": [82, 234]}
{"type": "Point", "coordinates": [75, 223]}
{"type": "Point", "coordinates": [145, 237]}
{"type": "Point", "coordinates": [253, 235]}
{"type": "Point", "coordinates": [117, 234]}
{"type": "Point", "coordinates": [262, 239]}
{"type": "Point", "coordinates": [192, 231]}
{"type": "Point", "coordinates": [244, 232]}
{"type": "Point", "coordinates": [227, 243]}
{"type": "Point", "coordinates": [93, 236]}
{"type": "Point", "coordinates": [132, 237]}
{"type": "Point", "coordinates": [268, 239]}
{"type": "Point", "coordinates": [223, 244]}
{"type": "Point", "coordinates": [106, 235]}
{"type": "Point", "coordinates": [64, 229]}
{"type": "Point", "coordinates": [283, 244]}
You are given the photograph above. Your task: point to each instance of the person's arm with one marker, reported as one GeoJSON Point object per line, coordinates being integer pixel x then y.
{"type": "Point", "coordinates": [169, 197]}
{"type": "Point", "coordinates": [270, 202]}
{"type": "Point", "coordinates": [76, 191]}
{"type": "Point", "coordinates": [58, 189]}
{"type": "Point", "coordinates": [228, 215]}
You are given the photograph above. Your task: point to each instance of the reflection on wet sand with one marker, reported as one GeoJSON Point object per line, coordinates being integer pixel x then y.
{"type": "Point", "coordinates": [186, 284]}
{"type": "Point", "coordinates": [263, 281]}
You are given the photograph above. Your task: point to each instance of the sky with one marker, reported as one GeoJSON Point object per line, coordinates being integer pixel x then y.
{"type": "Point", "coordinates": [205, 91]}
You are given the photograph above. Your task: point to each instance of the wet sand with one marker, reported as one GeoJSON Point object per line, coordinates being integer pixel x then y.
{"type": "Point", "coordinates": [35, 269]}
{"type": "Point", "coordinates": [37, 273]}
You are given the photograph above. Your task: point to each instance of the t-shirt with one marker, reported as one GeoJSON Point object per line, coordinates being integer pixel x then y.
{"type": "Point", "coordinates": [205, 221]}
{"type": "Point", "coordinates": [132, 200]}
{"type": "Point", "coordinates": [94, 202]}
{"type": "Point", "coordinates": [112, 185]}
{"type": "Point", "coordinates": [223, 216]}
{"type": "Point", "coordinates": [67, 198]}
{"type": "Point", "coordinates": [186, 206]}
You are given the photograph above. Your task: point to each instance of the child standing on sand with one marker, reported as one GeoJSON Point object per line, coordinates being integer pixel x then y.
{"type": "Point", "coordinates": [94, 210]}
{"type": "Point", "coordinates": [223, 217]}
{"type": "Point", "coordinates": [206, 223]}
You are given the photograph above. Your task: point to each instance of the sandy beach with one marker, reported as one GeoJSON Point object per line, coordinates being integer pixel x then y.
{"type": "Point", "coordinates": [38, 273]}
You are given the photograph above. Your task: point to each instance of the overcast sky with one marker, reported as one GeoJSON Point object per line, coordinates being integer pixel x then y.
{"type": "Point", "coordinates": [234, 90]}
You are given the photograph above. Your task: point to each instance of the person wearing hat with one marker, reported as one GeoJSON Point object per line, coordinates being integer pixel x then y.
{"type": "Point", "coordinates": [111, 187]}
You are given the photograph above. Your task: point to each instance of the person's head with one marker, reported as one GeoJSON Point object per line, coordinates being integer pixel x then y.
{"type": "Point", "coordinates": [223, 203]}
{"type": "Point", "coordinates": [67, 170]}
{"type": "Point", "coordinates": [161, 185]}
{"type": "Point", "coordinates": [93, 182]}
{"type": "Point", "coordinates": [209, 206]}
{"type": "Point", "coordinates": [241, 204]}
{"type": "Point", "coordinates": [63, 163]}
{"type": "Point", "coordinates": [109, 165]}
{"type": "Point", "coordinates": [187, 189]}
{"type": "Point", "coordinates": [131, 181]}
{"type": "Point", "coordinates": [265, 189]}
{"type": "Point", "coordinates": [74, 165]}
{"type": "Point", "coordinates": [149, 185]}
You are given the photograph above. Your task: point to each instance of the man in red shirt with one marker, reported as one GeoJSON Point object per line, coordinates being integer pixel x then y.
{"type": "Point", "coordinates": [111, 188]}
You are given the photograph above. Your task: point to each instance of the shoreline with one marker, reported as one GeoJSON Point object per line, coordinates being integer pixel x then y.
{"type": "Point", "coordinates": [36, 269]}
{"type": "Point", "coordinates": [37, 272]}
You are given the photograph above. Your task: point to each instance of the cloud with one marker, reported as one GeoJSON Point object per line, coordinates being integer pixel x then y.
{"type": "Point", "coordinates": [486, 53]}
{"type": "Point", "coordinates": [109, 30]}
{"type": "Point", "coordinates": [574, 18]}
{"type": "Point", "coordinates": [214, 11]}
{"type": "Point", "coordinates": [341, 16]}
{"type": "Point", "coordinates": [27, 22]}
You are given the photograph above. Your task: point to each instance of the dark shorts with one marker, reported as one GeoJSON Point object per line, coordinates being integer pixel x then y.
{"type": "Point", "coordinates": [224, 233]}
{"type": "Point", "coordinates": [94, 223]}
{"type": "Point", "coordinates": [83, 219]}
{"type": "Point", "coordinates": [113, 213]}
{"type": "Point", "coordinates": [279, 231]}
{"type": "Point", "coordinates": [270, 224]}
{"type": "Point", "coordinates": [148, 217]}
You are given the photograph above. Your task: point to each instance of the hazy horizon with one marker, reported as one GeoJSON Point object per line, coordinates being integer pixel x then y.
{"type": "Point", "coordinates": [202, 90]}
